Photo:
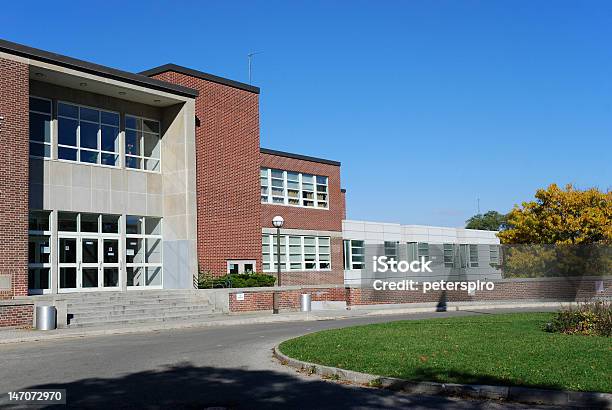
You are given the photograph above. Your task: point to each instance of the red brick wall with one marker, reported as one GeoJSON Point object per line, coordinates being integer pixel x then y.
{"type": "Point", "coordinates": [16, 315]}
{"type": "Point", "coordinates": [306, 218]}
{"type": "Point", "coordinates": [567, 289]}
{"type": "Point", "coordinates": [227, 166]}
{"type": "Point", "coordinates": [289, 300]}
{"type": "Point", "coordinates": [310, 218]}
{"type": "Point", "coordinates": [14, 157]}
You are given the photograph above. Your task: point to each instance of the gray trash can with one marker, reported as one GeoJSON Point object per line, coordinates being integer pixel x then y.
{"type": "Point", "coordinates": [306, 302]}
{"type": "Point", "coordinates": [46, 317]}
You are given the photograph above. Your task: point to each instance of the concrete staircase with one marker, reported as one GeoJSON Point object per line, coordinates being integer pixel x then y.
{"type": "Point", "coordinates": [138, 307]}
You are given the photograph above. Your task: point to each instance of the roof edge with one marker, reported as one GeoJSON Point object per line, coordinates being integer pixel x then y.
{"type": "Point", "coordinates": [58, 59]}
{"type": "Point", "coordinates": [299, 156]}
{"type": "Point", "coordinates": [200, 74]}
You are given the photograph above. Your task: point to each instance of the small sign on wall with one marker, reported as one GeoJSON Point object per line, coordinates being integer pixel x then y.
{"type": "Point", "coordinates": [239, 296]}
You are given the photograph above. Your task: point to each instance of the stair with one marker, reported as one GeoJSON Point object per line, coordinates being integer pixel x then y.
{"type": "Point", "coordinates": [138, 307]}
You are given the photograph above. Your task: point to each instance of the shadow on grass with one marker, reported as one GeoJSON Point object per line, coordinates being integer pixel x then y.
{"type": "Point", "coordinates": [454, 376]}
{"type": "Point", "coordinates": [191, 387]}
{"type": "Point", "coordinates": [522, 391]}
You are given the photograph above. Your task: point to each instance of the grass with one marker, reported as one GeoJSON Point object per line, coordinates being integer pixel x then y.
{"type": "Point", "coordinates": [506, 349]}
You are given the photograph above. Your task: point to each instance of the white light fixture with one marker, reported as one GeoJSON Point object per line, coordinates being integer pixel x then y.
{"type": "Point", "coordinates": [278, 221]}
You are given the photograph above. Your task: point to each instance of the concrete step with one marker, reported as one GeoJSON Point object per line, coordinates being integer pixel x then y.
{"type": "Point", "coordinates": [147, 312]}
{"type": "Point", "coordinates": [124, 306]}
{"type": "Point", "coordinates": [101, 303]}
{"type": "Point", "coordinates": [128, 321]}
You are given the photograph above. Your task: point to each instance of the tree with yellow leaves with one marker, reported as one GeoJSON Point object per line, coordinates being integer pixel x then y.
{"type": "Point", "coordinates": [559, 216]}
{"type": "Point", "coordinates": [564, 232]}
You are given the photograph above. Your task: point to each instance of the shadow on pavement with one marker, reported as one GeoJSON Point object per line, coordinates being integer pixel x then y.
{"type": "Point", "coordinates": [186, 386]}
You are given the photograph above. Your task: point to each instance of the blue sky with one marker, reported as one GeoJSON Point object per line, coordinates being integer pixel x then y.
{"type": "Point", "coordinates": [429, 105]}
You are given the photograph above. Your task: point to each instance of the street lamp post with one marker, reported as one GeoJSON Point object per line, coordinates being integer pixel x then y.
{"type": "Point", "coordinates": [278, 222]}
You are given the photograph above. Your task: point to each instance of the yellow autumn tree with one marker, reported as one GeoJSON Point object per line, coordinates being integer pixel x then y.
{"type": "Point", "coordinates": [564, 232]}
{"type": "Point", "coordinates": [561, 216]}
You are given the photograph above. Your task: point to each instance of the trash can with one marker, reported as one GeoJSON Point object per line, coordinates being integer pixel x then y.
{"type": "Point", "coordinates": [306, 302]}
{"type": "Point", "coordinates": [46, 317]}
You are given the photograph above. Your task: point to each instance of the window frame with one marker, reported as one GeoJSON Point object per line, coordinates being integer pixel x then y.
{"type": "Point", "coordinates": [41, 265]}
{"type": "Point", "coordinates": [51, 133]}
{"type": "Point", "coordinates": [143, 236]}
{"type": "Point", "coordinates": [452, 250]}
{"type": "Point", "coordinates": [142, 157]}
{"type": "Point", "coordinates": [349, 253]}
{"type": "Point", "coordinates": [286, 253]}
{"type": "Point", "coordinates": [77, 147]}
{"type": "Point", "coordinates": [269, 197]}
{"type": "Point", "coordinates": [473, 256]}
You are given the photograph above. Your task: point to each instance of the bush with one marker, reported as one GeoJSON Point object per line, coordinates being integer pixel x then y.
{"type": "Point", "coordinates": [592, 318]}
{"type": "Point", "coordinates": [242, 280]}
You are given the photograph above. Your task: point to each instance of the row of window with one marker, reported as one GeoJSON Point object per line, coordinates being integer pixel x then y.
{"type": "Point", "coordinates": [92, 136]}
{"type": "Point", "coordinates": [293, 188]}
{"type": "Point", "coordinates": [455, 255]}
{"type": "Point", "coordinates": [88, 250]}
{"type": "Point", "coordinates": [298, 253]}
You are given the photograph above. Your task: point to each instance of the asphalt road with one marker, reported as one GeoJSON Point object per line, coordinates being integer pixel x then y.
{"type": "Point", "coordinates": [227, 367]}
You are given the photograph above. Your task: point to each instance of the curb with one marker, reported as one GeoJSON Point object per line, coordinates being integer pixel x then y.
{"type": "Point", "coordinates": [525, 395]}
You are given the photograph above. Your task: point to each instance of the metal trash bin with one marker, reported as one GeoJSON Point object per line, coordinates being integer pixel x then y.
{"type": "Point", "coordinates": [46, 317]}
{"type": "Point", "coordinates": [306, 302]}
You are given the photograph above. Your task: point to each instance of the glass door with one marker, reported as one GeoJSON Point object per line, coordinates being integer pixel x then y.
{"type": "Point", "coordinates": [110, 262]}
{"type": "Point", "coordinates": [67, 262]}
{"type": "Point", "coordinates": [90, 264]}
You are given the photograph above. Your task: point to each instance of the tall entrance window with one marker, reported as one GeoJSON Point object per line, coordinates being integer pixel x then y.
{"type": "Point", "coordinates": [87, 135]}
{"type": "Point", "coordinates": [40, 127]}
{"type": "Point", "coordinates": [142, 144]}
{"type": "Point", "coordinates": [88, 251]}
{"type": "Point", "coordinates": [143, 251]}
{"type": "Point", "coordinates": [39, 252]}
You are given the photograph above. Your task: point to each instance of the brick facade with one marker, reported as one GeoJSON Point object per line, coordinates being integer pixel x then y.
{"type": "Point", "coordinates": [310, 218]}
{"type": "Point", "coordinates": [227, 167]}
{"type": "Point", "coordinates": [306, 218]}
{"type": "Point", "coordinates": [545, 289]}
{"type": "Point", "coordinates": [289, 299]}
{"type": "Point", "coordinates": [16, 315]}
{"type": "Point", "coordinates": [14, 158]}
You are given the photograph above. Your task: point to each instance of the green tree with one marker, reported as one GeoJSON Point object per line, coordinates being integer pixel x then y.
{"type": "Point", "coordinates": [489, 221]}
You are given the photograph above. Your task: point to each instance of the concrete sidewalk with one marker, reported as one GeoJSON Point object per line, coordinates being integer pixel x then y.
{"type": "Point", "coordinates": [30, 335]}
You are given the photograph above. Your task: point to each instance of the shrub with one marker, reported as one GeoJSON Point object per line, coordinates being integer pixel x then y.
{"type": "Point", "coordinates": [242, 280]}
{"type": "Point", "coordinates": [591, 318]}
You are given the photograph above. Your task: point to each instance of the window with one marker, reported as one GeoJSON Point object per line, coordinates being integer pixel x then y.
{"type": "Point", "coordinates": [143, 251]}
{"type": "Point", "coordinates": [391, 250]}
{"type": "Point", "coordinates": [423, 251]}
{"type": "Point", "coordinates": [87, 135]}
{"type": "Point", "coordinates": [39, 252]}
{"type": "Point", "coordinates": [354, 254]}
{"type": "Point", "coordinates": [142, 144]}
{"type": "Point", "coordinates": [293, 188]}
{"type": "Point", "coordinates": [473, 256]}
{"type": "Point", "coordinates": [240, 266]}
{"type": "Point", "coordinates": [411, 252]}
{"type": "Point", "coordinates": [494, 255]}
{"type": "Point", "coordinates": [449, 255]}
{"type": "Point", "coordinates": [40, 127]}
{"type": "Point", "coordinates": [298, 253]}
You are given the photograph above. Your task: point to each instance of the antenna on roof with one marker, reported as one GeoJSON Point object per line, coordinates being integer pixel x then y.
{"type": "Point", "coordinates": [478, 200]}
{"type": "Point", "coordinates": [250, 57]}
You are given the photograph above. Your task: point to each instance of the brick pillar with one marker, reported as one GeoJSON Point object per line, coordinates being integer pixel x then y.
{"type": "Point", "coordinates": [14, 167]}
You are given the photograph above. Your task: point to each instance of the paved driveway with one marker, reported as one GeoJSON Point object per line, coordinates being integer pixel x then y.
{"type": "Point", "coordinates": [228, 367]}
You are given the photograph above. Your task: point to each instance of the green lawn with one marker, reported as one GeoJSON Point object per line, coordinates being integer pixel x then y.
{"type": "Point", "coordinates": [508, 349]}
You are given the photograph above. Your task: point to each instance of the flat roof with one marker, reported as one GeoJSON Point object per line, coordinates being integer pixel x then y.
{"type": "Point", "coordinates": [91, 68]}
{"type": "Point", "coordinates": [200, 74]}
{"type": "Point", "coordinates": [298, 156]}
